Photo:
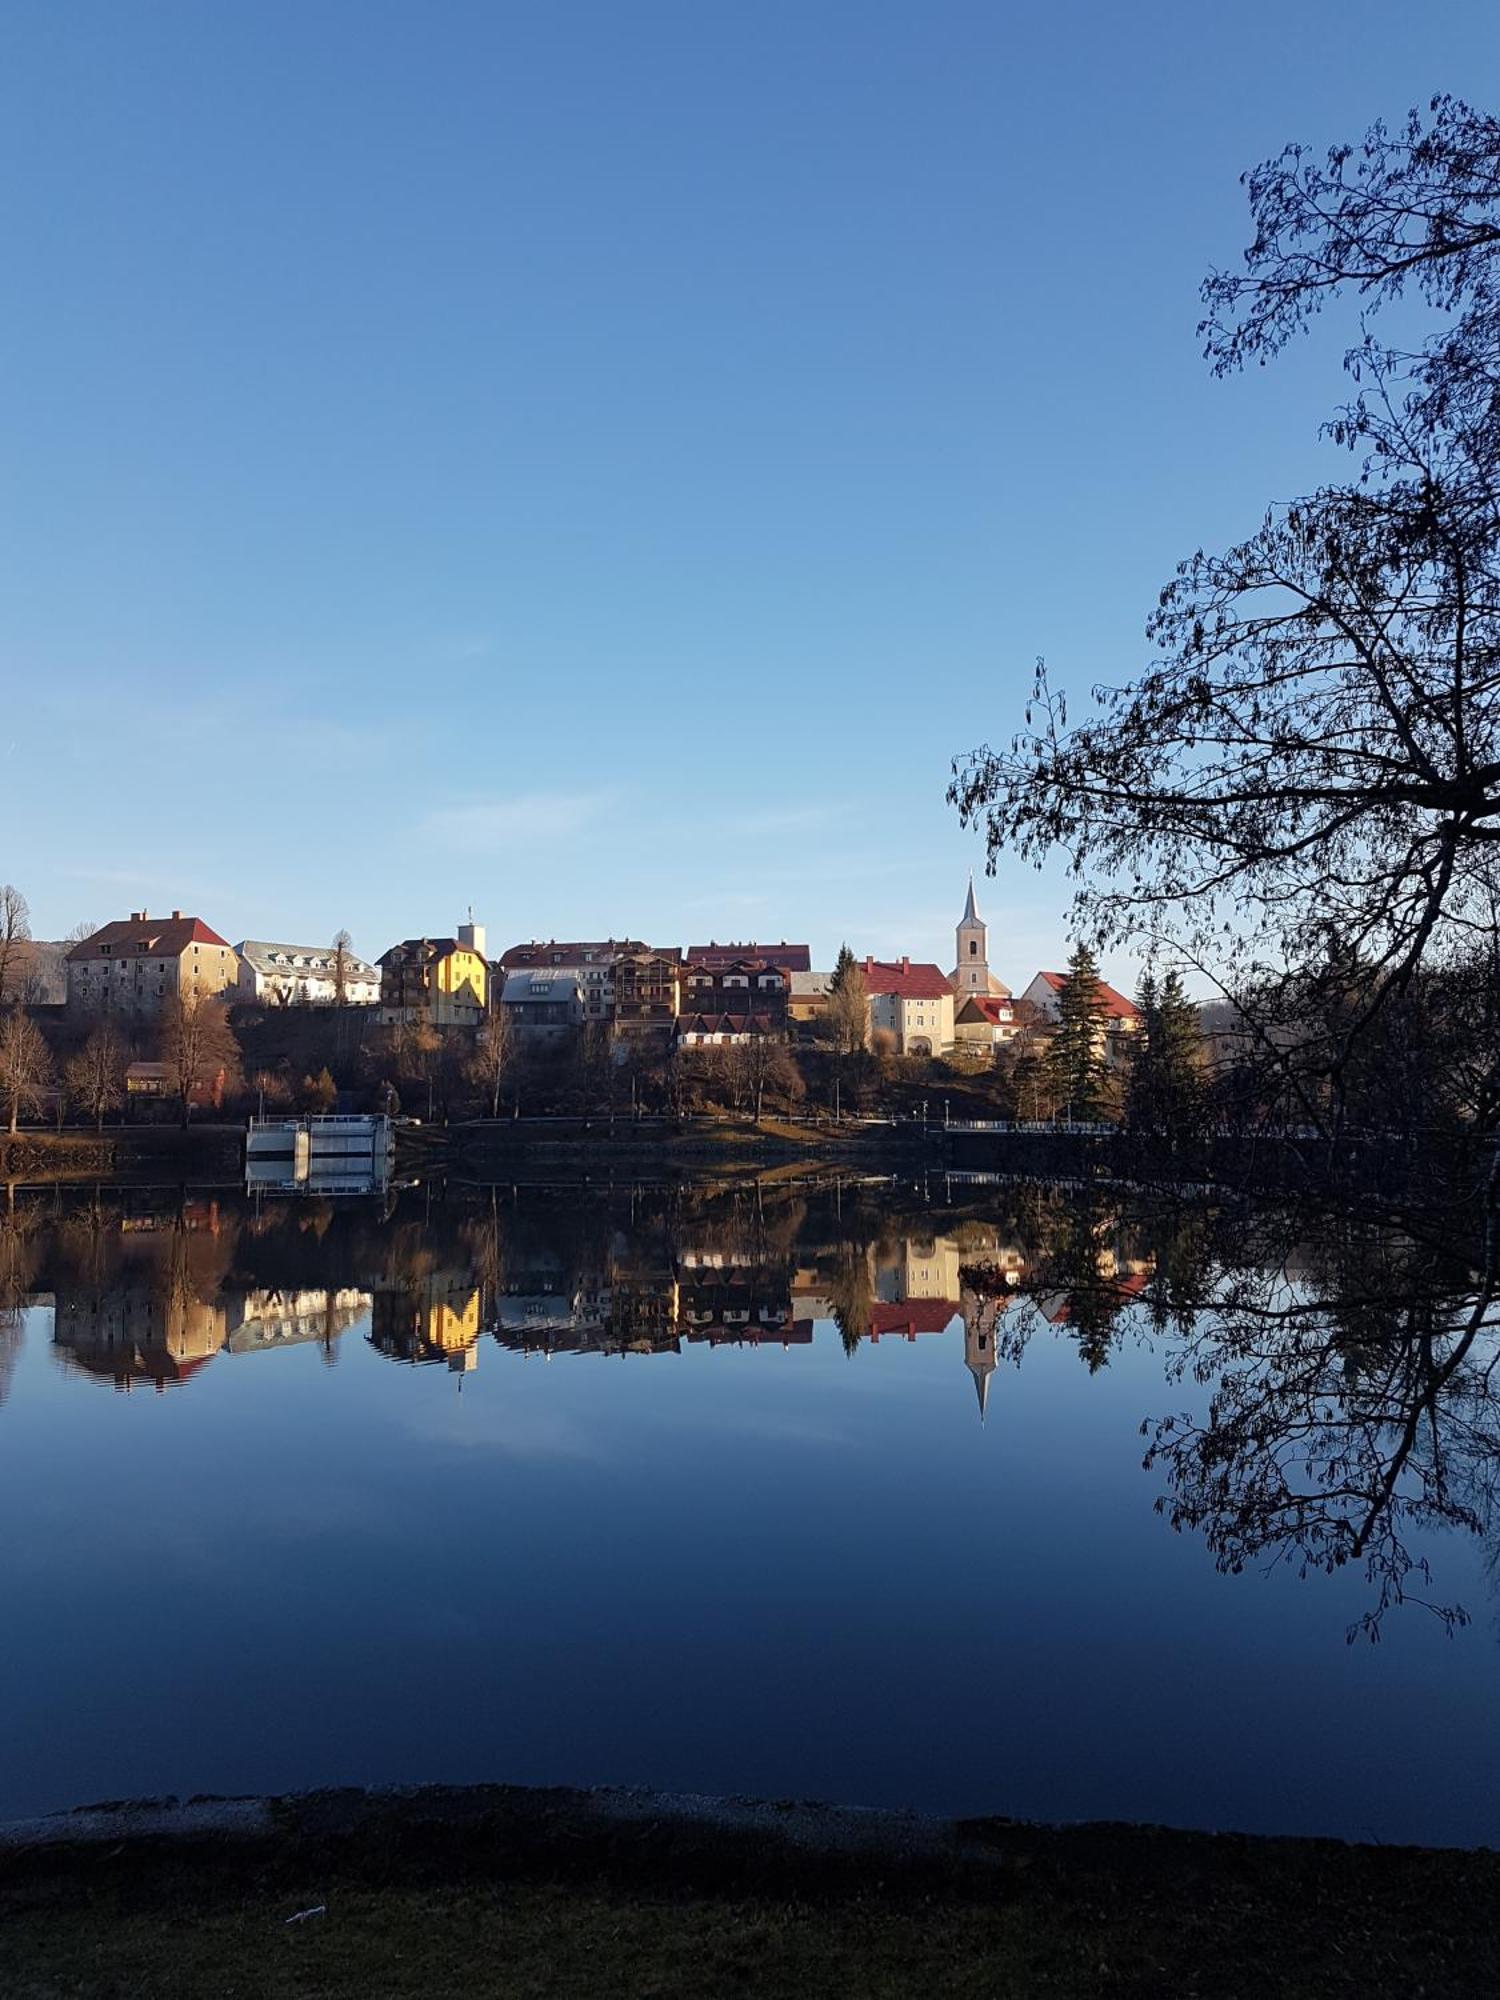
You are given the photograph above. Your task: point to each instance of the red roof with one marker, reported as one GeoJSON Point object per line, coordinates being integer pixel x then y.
{"type": "Point", "coordinates": [913, 1316]}
{"type": "Point", "coordinates": [789, 957]}
{"type": "Point", "coordinates": [991, 1006]}
{"type": "Point", "coordinates": [1110, 1002]}
{"type": "Point", "coordinates": [906, 979]}
{"type": "Point", "coordinates": [147, 937]}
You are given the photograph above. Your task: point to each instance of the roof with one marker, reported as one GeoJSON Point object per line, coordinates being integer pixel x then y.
{"type": "Point", "coordinates": [971, 914]}
{"type": "Point", "coordinates": [789, 957]}
{"type": "Point", "coordinates": [147, 1072]}
{"type": "Point", "coordinates": [906, 979]}
{"type": "Point", "coordinates": [1114, 1004]}
{"type": "Point", "coordinates": [727, 1024]}
{"type": "Point", "coordinates": [421, 948]}
{"type": "Point", "coordinates": [598, 951]}
{"type": "Point", "coordinates": [146, 937]}
{"type": "Point", "coordinates": [541, 983]}
{"type": "Point", "coordinates": [912, 1316]}
{"type": "Point", "coordinates": [810, 985]}
{"type": "Point", "coordinates": [268, 957]}
{"type": "Point", "coordinates": [992, 1007]}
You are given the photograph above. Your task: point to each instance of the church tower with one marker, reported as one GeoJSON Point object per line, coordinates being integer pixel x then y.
{"type": "Point", "coordinates": [980, 1322]}
{"type": "Point", "coordinates": [972, 973]}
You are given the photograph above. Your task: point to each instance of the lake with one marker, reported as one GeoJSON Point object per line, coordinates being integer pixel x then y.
{"type": "Point", "coordinates": [827, 1492]}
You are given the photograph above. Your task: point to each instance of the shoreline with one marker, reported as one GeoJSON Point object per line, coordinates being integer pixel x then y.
{"type": "Point", "coordinates": [547, 1890]}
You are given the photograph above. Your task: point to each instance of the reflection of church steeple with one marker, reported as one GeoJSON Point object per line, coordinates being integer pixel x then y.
{"type": "Point", "coordinates": [980, 1316]}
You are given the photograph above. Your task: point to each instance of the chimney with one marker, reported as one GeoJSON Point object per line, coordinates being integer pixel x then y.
{"type": "Point", "coordinates": [905, 963]}
{"type": "Point", "coordinates": [471, 936]}
{"type": "Point", "coordinates": [137, 916]}
{"type": "Point", "coordinates": [176, 916]}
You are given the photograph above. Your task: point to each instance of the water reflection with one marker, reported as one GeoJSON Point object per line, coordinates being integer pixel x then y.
{"type": "Point", "coordinates": [1336, 1371]}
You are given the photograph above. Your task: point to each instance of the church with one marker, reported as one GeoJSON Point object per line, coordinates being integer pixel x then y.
{"type": "Point", "coordinates": [972, 975]}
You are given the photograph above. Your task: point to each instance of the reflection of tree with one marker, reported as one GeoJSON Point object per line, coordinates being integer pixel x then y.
{"type": "Point", "coordinates": [1352, 1408]}
{"type": "Point", "coordinates": [19, 1255]}
{"type": "Point", "coordinates": [852, 1293]}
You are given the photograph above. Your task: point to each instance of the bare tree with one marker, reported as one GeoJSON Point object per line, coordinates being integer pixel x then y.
{"type": "Point", "coordinates": [15, 941]}
{"type": "Point", "coordinates": [848, 1012]}
{"type": "Point", "coordinates": [198, 1046]}
{"type": "Point", "coordinates": [342, 944]}
{"type": "Point", "coordinates": [95, 1076]}
{"type": "Point", "coordinates": [490, 1061]}
{"type": "Point", "coordinates": [25, 1064]}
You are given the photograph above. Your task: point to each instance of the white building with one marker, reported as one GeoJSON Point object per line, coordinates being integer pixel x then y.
{"type": "Point", "coordinates": [911, 1002]}
{"type": "Point", "coordinates": [302, 975]}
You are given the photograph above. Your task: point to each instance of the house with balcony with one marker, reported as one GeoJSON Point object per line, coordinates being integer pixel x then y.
{"type": "Point", "coordinates": [648, 987]}
{"type": "Point", "coordinates": [590, 962]}
{"type": "Point", "coordinates": [441, 981]}
{"type": "Point", "coordinates": [735, 1000]}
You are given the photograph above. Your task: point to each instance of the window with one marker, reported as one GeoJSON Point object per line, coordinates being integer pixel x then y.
{"type": "Point", "coordinates": [973, 947]}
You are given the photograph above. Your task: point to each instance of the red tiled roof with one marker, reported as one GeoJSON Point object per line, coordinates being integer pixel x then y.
{"type": "Point", "coordinates": [906, 979]}
{"type": "Point", "coordinates": [991, 1006]}
{"type": "Point", "coordinates": [147, 937]}
{"type": "Point", "coordinates": [789, 957]}
{"type": "Point", "coordinates": [913, 1316]}
{"type": "Point", "coordinates": [1110, 1002]}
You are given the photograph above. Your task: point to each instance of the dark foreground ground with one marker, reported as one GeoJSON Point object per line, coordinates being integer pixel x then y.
{"type": "Point", "coordinates": [494, 1891]}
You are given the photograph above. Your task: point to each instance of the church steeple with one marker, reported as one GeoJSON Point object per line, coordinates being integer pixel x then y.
{"type": "Point", "coordinates": [980, 1317]}
{"type": "Point", "coordinates": [972, 973]}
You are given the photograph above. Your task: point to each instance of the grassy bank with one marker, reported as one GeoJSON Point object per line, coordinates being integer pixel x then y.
{"type": "Point", "coordinates": [512, 1898]}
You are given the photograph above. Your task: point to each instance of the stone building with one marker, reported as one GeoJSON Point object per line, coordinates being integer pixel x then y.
{"type": "Point", "coordinates": [137, 965]}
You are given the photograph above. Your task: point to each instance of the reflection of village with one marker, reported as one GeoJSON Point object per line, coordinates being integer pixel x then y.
{"type": "Point", "coordinates": [150, 1302]}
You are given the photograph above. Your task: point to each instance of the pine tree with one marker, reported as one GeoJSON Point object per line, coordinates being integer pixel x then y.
{"type": "Point", "coordinates": [1142, 1091]}
{"type": "Point", "coordinates": [1076, 1064]}
{"type": "Point", "coordinates": [843, 965]}
{"type": "Point", "coordinates": [1180, 1063]}
{"type": "Point", "coordinates": [1165, 1095]}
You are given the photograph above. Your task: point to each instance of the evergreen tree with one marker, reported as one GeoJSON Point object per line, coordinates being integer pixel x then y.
{"type": "Point", "coordinates": [1165, 1095]}
{"type": "Point", "coordinates": [1142, 1092]}
{"type": "Point", "coordinates": [843, 965]}
{"type": "Point", "coordinates": [1076, 1065]}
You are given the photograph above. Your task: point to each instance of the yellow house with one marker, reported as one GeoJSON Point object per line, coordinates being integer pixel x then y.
{"type": "Point", "coordinates": [442, 981]}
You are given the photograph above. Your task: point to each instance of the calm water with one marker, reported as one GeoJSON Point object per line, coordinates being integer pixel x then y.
{"type": "Point", "coordinates": [833, 1495]}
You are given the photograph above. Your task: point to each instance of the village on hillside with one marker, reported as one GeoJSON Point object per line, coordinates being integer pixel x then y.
{"type": "Point", "coordinates": [162, 1007]}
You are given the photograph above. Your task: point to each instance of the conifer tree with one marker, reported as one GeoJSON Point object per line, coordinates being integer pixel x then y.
{"type": "Point", "coordinates": [843, 965]}
{"type": "Point", "coordinates": [1076, 1064]}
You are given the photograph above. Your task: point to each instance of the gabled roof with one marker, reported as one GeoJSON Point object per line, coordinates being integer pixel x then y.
{"type": "Point", "coordinates": [991, 1007]}
{"type": "Point", "coordinates": [421, 950]}
{"type": "Point", "coordinates": [905, 979]}
{"type": "Point", "coordinates": [789, 957]}
{"type": "Point", "coordinates": [1114, 1004]}
{"type": "Point", "coordinates": [140, 936]}
{"type": "Point", "coordinates": [912, 1316]}
{"type": "Point", "coordinates": [267, 957]}
{"type": "Point", "coordinates": [599, 951]}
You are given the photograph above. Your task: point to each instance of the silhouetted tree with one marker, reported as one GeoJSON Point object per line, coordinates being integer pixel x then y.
{"type": "Point", "coordinates": [1317, 744]}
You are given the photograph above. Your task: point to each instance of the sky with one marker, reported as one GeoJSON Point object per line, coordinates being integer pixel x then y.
{"type": "Point", "coordinates": [598, 462]}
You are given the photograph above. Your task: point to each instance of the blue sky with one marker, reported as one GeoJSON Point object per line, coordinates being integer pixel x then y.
{"type": "Point", "coordinates": [599, 462]}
